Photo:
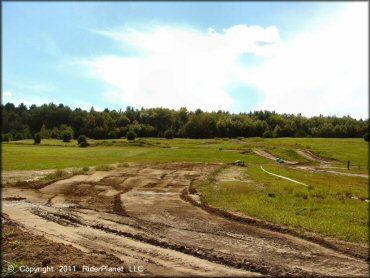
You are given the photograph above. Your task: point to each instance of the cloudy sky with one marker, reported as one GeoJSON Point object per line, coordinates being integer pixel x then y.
{"type": "Point", "coordinates": [289, 57]}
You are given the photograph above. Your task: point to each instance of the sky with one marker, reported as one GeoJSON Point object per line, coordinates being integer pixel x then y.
{"type": "Point", "coordinates": [289, 57]}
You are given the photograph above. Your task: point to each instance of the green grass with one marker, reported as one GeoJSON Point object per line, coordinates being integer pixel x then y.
{"type": "Point", "coordinates": [29, 157]}
{"type": "Point", "coordinates": [326, 206]}
{"type": "Point", "coordinates": [54, 154]}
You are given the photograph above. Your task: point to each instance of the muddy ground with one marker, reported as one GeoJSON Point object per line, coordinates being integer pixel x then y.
{"type": "Point", "coordinates": [139, 218]}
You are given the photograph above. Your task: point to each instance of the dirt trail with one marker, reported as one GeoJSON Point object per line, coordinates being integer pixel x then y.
{"type": "Point", "coordinates": [137, 215]}
{"type": "Point", "coordinates": [313, 157]}
{"type": "Point", "coordinates": [323, 167]}
{"type": "Point", "coordinates": [272, 157]}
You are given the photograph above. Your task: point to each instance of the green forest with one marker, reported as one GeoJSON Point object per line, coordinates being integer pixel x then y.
{"type": "Point", "coordinates": [51, 121]}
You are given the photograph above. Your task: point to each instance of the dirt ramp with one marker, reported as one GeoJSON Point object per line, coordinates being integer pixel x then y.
{"type": "Point", "coordinates": [312, 156]}
{"type": "Point", "coordinates": [270, 156]}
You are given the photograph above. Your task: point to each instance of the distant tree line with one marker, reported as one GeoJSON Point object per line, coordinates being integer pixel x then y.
{"type": "Point", "coordinates": [55, 121]}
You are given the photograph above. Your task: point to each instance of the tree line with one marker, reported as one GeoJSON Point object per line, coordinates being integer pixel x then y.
{"type": "Point", "coordinates": [54, 121]}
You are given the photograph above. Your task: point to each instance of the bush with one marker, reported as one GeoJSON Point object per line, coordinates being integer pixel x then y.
{"type": "Point", "coordinates": [18, 136]}
{"type": "Point", "coordinates": [84, 145]}
{"type": "Point", "coordinates": [82, 140]}
{"type": "Point", "coordinates": [367, 136]}
{"type": "Point", "coordinates": [131, 135]}
{"type": "Point", "coordinates": [267, 134]}
{"type": "Point", "coordinates": [112, 134]}
{"type": "Point", "coordinates": [57, 174]}
{"type": "Point", "coordinates": [168, 134]}
{"type": "Point", "coordinates": [37, 138]}
{"type": "Point", "coordinates": [85, 169]}
{"type": "Point", "coordinates": [66, 136]}
{"type": "Point", "coordinates": [54, 133]}
{"type": "Point", "coordinates": [5, 138]}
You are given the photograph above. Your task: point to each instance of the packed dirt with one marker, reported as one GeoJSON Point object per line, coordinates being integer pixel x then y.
{"type": "Point", "coordinates": [272, 157]}
{"type": "Point", "coordinates": [138, 217]}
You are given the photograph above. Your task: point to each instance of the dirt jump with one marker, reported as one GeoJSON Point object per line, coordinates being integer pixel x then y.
{"type": "Point", "coordinates": [324, 166]}
{"type": "Point", "coordinates": [137, 216]}
{"type": "Point", "coordinates": [268, 155]}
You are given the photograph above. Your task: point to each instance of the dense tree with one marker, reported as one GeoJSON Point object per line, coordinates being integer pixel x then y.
{"type": "Point", "coordinates": [53, 120]}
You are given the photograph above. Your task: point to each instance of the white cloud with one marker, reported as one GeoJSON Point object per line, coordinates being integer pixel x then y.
{"type": "Point", "coordinates": [7, 94]}
{"type": "Point", "coordinates": [320, 71]}
{"type": "Point", "coordinates": [181, 66]}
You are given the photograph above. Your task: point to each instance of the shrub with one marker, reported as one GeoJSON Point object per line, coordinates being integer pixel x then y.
{"type": "Point", "coordinates": [168, 134]}
{"type": "Point", "coordinates": [18, 136]}
{"type": "Point", "coordinates": [66, 136]}
{"type": "Point", "coordinates": [367, 137]}
{"type": "Point", "coordinates": [267, 134]}
{"type": "Point", "coordinates": [54, 133]}
{"type": "Point", "coordinates": [56, 174]}
{"type": "Point", "coordinates": [84, 145]}
{"type": "Point", "coordinates": [112, 134]}
{"type": "Point", "coordinates": [5, 138]}
{"type": "Point", "coordinates": [131, 135]}
{"type": "Point", "coordinates": [82, 141]}
{"type": "Point", "coordinates": [37, 138]}
{"type": "Point", "coordinates": [78, 172]}
{"type": "Point", "coordinates": [85, 169]}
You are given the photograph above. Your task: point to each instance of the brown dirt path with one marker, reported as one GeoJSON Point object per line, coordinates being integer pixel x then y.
{"type": "Point", "coordinates": [136, 214]}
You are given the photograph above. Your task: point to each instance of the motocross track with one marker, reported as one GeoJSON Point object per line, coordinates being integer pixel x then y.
{"type": "Point", "coordinates": [137, 215]}
{"type": "Point", "coordinates": [324, 164]}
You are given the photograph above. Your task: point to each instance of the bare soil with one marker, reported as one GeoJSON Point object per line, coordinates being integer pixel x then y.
{"type": "Point", "coordinates": [139, 215]}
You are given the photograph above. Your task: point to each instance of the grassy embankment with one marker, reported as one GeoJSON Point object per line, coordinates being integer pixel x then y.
{"type": "Point", "coordinates": [328, 206]}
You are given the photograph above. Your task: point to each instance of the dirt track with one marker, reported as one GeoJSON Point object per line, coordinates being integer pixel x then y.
{"type": "Point", "coordinates": [324, 164]}
{"type": "Point", "coordinates": [137, 215]}
{"type": "Point", "coordinates": [272, 157]}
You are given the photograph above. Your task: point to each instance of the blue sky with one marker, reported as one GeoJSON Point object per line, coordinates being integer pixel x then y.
{"type": "Point", "coordinates": [291, 57]}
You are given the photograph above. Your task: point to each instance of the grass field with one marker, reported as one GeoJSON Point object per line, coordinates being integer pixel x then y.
{"type": "Point", "coordinates": [331, 205]}
{"type": "Point", "coordinates": [326, 206]}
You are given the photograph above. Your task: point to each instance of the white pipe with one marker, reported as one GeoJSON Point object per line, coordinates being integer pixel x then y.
{"type": "Point", "coordinates": [283, 177]}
